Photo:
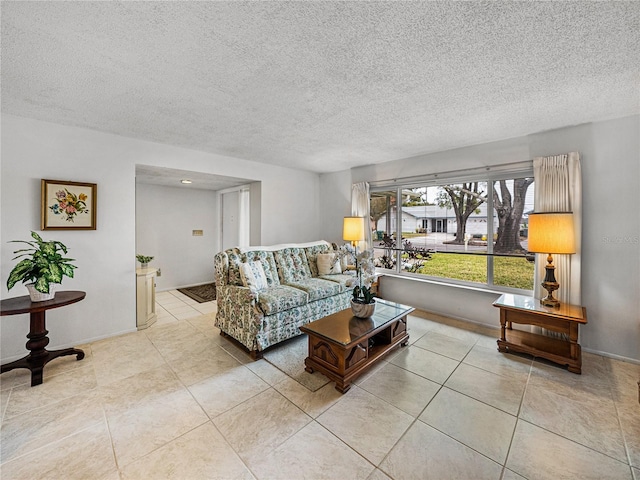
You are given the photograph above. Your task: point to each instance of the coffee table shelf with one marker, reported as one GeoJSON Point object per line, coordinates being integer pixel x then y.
{"type": "Point", "coordinates": [342, 347]}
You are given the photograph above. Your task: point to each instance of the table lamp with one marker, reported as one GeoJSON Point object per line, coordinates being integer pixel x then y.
{"type": "Point", "coordinates": [353, 230]}
{"type": "Point", "coordinates": [551, 232]}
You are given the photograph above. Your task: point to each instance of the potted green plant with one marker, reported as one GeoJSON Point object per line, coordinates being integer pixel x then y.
{"type": "Point", "coordinates": [144, 260]}
{"type": "Point", "coordinates": [42, 269]}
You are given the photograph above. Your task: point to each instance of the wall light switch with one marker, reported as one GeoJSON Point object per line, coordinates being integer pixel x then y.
{"type": "Point", "coordinates": [197, 233]}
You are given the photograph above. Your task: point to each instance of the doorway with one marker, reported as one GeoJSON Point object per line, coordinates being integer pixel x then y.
{"type": "Point", "coordinates": [180, 224]}
{"type": "Point", "coordinates": [439, 225]}
{"type": "Point", "coordinates": [235, 217]}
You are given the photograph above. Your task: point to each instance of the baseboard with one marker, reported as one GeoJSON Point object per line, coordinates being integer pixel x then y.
{"type": "Point", "coordinates": [452, 317]}
{"type": "Point", "coordinates": [612, 355]}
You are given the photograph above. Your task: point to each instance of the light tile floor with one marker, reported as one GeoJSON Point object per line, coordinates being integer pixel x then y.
{"type": "Point", "coordinates": [179, 401]}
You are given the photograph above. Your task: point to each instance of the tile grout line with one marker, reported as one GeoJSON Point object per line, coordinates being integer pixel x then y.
{"type": "Point", "coordinates": [529, 388]}
{"type": "Point", "coordinates": [578, 442]}
{"type": "Point", "coordinates": [185, 387]}
{"type": "Point", "coordinates": [375, 467]}
{"type": "Point", "coordinates": [515, 427]}
{"type": "Point", "coordinates": [417, 418]}
{"type": "Point", "coordinates": [619, 419]}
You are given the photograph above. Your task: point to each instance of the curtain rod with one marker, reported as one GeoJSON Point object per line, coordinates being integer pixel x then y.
{"type": "Point", "coordinates": [503, 167]}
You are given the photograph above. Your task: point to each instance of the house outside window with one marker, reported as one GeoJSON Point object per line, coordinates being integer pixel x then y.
{"type": "Point", "coordinates": [471, 231]}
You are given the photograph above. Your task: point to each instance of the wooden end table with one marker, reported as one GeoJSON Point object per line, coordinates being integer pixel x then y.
{"type": "Point", "coordinates": [39, 356]}
{"type": "Point", "coordinates": [525, 310]}
{"type": "Point", "coordinates": [342, 346]}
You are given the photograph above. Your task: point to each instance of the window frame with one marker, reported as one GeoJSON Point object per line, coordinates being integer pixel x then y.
{"type": "Point", "coordinates": [488, 175]}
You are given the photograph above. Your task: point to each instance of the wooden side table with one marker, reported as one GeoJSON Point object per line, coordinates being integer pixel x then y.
{"type": "Point", "coordinates": [39, 356]}
{"type": "Point", "coordinates": [524, 310]}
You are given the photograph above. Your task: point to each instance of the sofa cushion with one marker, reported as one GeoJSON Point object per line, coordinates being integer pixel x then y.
{"type": "Point", "coordinates": [318, 288]}
{"type": "Point", "coordinates": [292, 265]}
{"type": "Point", "coordinates": [328, 263]}
{"type": "Point", "coordinates": [253, 275]}
{"type": "Point", "coordinates": [281, 297]}
{"type": "Point", "coordinates": [347, 281]}
{"type": "Point", "coordinates": [311, 253]}
{"type": "Point", "coordinates": [268, 264]}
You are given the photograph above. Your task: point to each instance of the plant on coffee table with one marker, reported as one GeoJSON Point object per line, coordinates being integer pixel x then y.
{"type": "Point", "coordinates": [363, 295]}
{"type": "Point", "coordinates": [363, 301]}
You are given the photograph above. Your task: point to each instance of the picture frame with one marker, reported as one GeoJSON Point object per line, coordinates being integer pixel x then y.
{"type": "Point", "coordinates": [68, 205]}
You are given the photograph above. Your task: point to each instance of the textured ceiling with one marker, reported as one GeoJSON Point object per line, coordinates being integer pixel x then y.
{"type": "Point", "coordinates": [321, 86]}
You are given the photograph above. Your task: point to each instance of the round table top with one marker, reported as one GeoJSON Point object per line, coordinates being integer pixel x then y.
{"type": "Point", "coordinates": [17, 305]}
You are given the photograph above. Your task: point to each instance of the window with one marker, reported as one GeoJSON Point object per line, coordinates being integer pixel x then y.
{"type": "Point", "coordinates": [470, 232]}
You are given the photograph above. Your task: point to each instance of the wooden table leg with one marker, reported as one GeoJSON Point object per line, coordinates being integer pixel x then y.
{"type": "Point", "coordinates": [39, 356]}
{"type": "Point", "coordinates": [36, 363]}
{"type": "Point", "coordinates": [574, 349]}
{"type": "Point", "coordinates": [342, 387]}
{"type": "Point", "coordinates": [503, 333]}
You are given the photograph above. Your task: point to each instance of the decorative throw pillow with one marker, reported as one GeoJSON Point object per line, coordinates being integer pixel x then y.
{"type": "Point", "coordinates": [328, 264]}
{"type": "Point", "coordinates": [253, 276]}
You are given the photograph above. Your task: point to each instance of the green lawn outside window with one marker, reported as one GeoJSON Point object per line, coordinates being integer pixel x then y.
{"type": "Point", "coordinates": [513, 272]}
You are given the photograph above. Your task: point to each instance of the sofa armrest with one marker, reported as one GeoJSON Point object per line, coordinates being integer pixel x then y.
{"type": "Point", "coordinates": [238, 313]}
{"type": "Point", "coordinates": [238, 294]}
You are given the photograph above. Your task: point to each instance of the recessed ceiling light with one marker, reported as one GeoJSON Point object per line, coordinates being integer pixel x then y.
{"type": "Point", "coordinates": [185, 181]}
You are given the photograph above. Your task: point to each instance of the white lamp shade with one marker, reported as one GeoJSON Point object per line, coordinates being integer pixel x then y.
{"type": "Point", "coordinates": [551, 232]}
{"type": "Point", "coordinates": [353, 229]}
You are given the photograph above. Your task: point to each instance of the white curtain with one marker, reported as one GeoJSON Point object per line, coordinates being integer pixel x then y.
{"type": "Point", "coordinates": [244, 218]}
{"type": "Point", "coordinates": [360, 208]}
{"type": "Point", "coordinates": [558, 182]}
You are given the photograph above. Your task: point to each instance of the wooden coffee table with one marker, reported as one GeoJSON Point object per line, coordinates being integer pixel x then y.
{"type": "Point", "coordinates": [342, 346]}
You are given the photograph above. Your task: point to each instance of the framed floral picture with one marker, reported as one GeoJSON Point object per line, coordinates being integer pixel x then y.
{"type": "Point", "coordinates": [68, 205]}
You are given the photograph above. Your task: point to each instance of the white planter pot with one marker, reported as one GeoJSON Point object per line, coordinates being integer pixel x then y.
{"type": "Point", "coordinates": [362, 310]}
{"type": "Point", "coordinates": [37, 296]}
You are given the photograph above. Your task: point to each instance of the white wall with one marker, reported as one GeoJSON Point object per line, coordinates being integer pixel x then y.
{"type": "Point", "coordinates": [610, 153]}
{"type": "Point", "coordinates": [32, 150]}
{"type": "Point", "coordinates": [255, 214]}
{"type": "Point", "coordinates": [335, 199]}
{"type": "Point", "coordinates": [610, 263]}
{"type": "Point", "coordinates": [165, 219]}
{"type": "Point", "coordinates": [290, 209]}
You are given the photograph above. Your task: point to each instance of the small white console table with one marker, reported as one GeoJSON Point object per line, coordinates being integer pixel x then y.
{"type": "Point", "coordinates": [145, 297]}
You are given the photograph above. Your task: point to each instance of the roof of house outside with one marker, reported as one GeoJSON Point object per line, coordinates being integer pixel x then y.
{"type": "Point", "coordinates": [434, 211]}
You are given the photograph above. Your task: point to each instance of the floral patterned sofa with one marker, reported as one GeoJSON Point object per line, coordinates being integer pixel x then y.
{"type": "Point", "coordinates": [295, 294]}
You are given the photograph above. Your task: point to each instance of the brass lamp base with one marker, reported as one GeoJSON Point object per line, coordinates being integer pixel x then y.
{"type": "Point", "coordinates": [550, 300]}
{"type": "Point", "coordinates": [550, 285]}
